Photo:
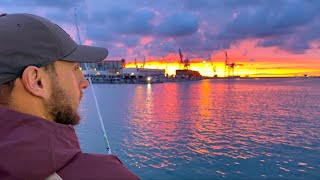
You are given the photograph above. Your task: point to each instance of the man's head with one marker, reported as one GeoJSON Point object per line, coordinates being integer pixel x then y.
{"type": "Point", "coordinates": [39, 68]}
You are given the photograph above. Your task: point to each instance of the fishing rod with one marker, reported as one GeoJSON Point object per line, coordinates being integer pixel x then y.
{"type": "Point", "coordinates": [105, 137]}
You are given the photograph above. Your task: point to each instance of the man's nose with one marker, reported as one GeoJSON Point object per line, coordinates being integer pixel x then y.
{"type": "Point", "coordinates": [84, 82]}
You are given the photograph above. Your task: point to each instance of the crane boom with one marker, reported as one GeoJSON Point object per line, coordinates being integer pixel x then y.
{"type": "Point", "coordinates": [213, 67]}
{"type": "Point", "coordinates": [135, 62]}
{"type": "Point", "coordinates": [181, 56]}
{"type": "Point", "coordinates": [144, 61]}
{"type": "Point", "coordinates": [226, 64]}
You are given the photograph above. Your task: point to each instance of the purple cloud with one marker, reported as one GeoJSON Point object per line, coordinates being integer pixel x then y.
{"type": "Point", "coordinates": [179, 24]}
{"type": "Point", "coordinates": [198, 27]}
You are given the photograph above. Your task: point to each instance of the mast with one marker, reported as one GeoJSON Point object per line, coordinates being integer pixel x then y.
{"type": "Point", "coordinates": [226, 64]}
{"type": "Point", "coordinates": [103, 129]}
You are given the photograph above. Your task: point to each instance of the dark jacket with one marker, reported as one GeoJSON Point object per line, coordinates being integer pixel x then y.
{"type": "Point", "coordinates": [33, 148]}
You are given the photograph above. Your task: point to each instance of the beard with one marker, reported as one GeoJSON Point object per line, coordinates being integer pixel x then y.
{"type": "Point", "coordinates": [59, 107]}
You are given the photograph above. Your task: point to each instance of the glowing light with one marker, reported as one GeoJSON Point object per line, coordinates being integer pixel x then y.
{"type": "Point", "coordinates": [246, 69]}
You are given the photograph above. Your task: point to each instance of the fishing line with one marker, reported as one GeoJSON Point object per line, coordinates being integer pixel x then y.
{"type": "Point", "coordinates": [93, 93]}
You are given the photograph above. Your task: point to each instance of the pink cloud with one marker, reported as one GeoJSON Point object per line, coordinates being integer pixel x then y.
{"type": "Point", "coordinates": [145, 40]}
{"type": "Point", "coordinates": [88, 42]}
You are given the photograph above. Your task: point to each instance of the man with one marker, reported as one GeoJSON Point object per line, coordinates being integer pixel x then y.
{"type": "Point", "coordinates": [41, 86]}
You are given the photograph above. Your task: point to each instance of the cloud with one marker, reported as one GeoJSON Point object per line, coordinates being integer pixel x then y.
{"type": "Point", "coordinates": [56, 3]}
{"type": "Point", "coordinates": [116, 52]}
{"type": "Point", "coordinates": [297, 42]}
{"type": "Point", "coordinates": [293, 44]}
{"type": "Point", "coordinates": [179, 24]}
{"type": "Point", "coordinates": [283, 25]}
{"type": "Point", "coordinates": [138, 23]}
{"type": "Point", "coordinates": [242, 3]}
{"type": "Point", "coordinates": [196, 4]}
{"type": "Point", "coordinates": [263, 22]}
{"type": "Point", "coordinates": [62, 4]}
{"type": "Point", "coordinates": [130, 41]}
{"type": "Point", "coordinates": [270, 43]}
{"type": "Point", "coordinates": [100, 33]}
{"type": "Point", "coordinates": [198, 27]}
{"type": "Point", "coordinates": [112, 14]}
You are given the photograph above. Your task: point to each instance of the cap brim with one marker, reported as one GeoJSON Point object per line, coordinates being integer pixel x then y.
{"type": "Point", "coordinates": [87, 54]}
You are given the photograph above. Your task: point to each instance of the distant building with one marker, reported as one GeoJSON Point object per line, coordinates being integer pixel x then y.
{"type": "Point", "coordinates": [187, 74]}
{"type": "Point", "coordinates": [142, 72]}
{"type": "Point", "coordinates": [110, 67]}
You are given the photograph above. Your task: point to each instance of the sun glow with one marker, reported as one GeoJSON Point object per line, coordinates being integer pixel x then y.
{"type": "Point", "coordinates": [247, 69]}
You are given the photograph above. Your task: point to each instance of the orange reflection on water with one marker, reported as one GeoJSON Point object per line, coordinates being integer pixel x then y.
{"type": "Point", "coordinates": [153, 115]}
{"type": "Point", "coordinates": [229, 118]}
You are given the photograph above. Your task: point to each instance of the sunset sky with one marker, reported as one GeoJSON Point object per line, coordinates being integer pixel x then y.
{"type": "Point", "coordinates": [267, 38]}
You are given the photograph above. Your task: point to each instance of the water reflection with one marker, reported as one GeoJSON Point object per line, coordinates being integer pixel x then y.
{"type": "Point", "coordinates": [227, 129]}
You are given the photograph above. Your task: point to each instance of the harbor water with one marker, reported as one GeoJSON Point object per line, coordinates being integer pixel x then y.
{"type": "Point", "coordinates": [209, 129]}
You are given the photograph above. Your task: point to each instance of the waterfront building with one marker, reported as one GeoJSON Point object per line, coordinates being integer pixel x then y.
{"type": "Point", "coordinates": [141, 75]}
{"type": "Point", "coordinates": [142, 72]}
{"type": "Point", "coordinates": [106, 68]}
{"type": "Point", "coordinates": [187, 74]}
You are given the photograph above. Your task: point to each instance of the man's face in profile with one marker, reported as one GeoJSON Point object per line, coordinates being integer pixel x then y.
{"type": "Point", "coordinates": [67, 84]}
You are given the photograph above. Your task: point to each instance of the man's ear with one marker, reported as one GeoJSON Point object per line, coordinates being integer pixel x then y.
{"type": "Point", "coordinates": [34, 81]}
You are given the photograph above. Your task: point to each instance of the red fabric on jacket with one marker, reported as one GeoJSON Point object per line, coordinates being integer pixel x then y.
{"type": "Point", "coordinates": [34, 148]}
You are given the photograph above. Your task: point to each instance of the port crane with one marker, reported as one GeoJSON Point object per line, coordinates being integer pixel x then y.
{"type": "Point", "coordinates": [213, 67]}
{"type": "Point", "coordinates": [185, 62]}
{"type": "Point", "coordinates": [144, 62]}
{"type": "Point", "coordinates": [228, 66]}
{"type": "Point", "coordinates": [135, 62]}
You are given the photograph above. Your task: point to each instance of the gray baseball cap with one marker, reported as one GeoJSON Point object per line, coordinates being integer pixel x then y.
{"type": "Point", "coordinates": [27, 39]}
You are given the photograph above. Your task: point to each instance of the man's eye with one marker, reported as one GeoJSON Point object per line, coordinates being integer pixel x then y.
{"type": "Point", "coordinates": [78, 68]}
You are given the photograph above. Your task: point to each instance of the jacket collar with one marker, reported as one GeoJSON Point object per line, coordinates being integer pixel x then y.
{"type": "Point", "coordinates": [32, 147]}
